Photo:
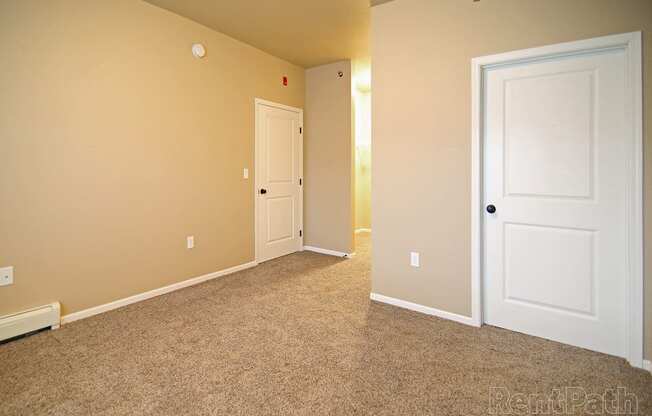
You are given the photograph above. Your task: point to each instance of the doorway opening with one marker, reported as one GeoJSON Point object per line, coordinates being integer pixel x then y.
{"type": "Point", "coordinates": [361, 91]}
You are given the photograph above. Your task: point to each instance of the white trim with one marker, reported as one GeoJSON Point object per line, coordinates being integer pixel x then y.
{"type": "Point", "coordinates": [258, 102]}
{"type": "Point", "coordinates": [635, 231]}
{"type": "Point", "coordinates": [86, 313]}
{"type": "Point", "coordinates": [476, 193]}
{"type": "Point", "coordinates": [631, 43]}
{"type": "Point", "coordinates": [277, 105]}
{"type": "Point", "coordinates": [328, 252]}
{"type": "Point", "coordinates": [423, 309]}
{"type": "Point", "coordinates": [647, 365]}
{"type": "Point", "coordinates": [362, 230]}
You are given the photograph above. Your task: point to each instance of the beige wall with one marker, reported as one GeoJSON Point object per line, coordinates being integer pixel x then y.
{"type": "Point", "coordinates": [362, 111]}
{"type": "Point", "coordinates": [328, 164]}
{"type": "Point", "coordinates": [421, 54]}
{"type": "Point", "coordinates": [116, 144]}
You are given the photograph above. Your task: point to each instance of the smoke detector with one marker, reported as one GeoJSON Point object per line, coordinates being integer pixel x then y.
{"type": "Point", "coordinates": [198, 50]}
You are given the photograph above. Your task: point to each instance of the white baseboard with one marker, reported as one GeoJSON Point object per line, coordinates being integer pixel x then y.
{"type": "Point", "coordinates": [647, 365]}
{"type": "Point", "coordinates": [75, 316]}
{"type": "Point", "coordinates": [466, 320]}
{"type": "Point", "coordinates": [328, 252]}
{"type": "Point", "coordinates": [362, 230]}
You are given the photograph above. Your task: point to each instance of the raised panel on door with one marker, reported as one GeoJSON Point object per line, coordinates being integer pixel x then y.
{"type": "Point", "coordinates": [280, 149]}
{"type": "Point", "coordinates": [549, 126]}
{"type": "Point", "coordinates": [563, 278]}
{"type": "Point", "coordinates": [281, 222]}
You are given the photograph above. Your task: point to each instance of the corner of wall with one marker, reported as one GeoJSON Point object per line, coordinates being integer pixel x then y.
{"type": "Point", "coordinates": [328, 158]}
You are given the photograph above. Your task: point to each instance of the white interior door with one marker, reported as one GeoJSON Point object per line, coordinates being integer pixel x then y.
{"type": "Point", "coordinates": [279, 166]}
{"type": "Point", "coordinates": [557, 155]}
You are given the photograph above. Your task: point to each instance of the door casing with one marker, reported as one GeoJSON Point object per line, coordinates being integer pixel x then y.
{"type": "Point", "coordinates": [631, 43]}
{"type": "Point", "coordinates": [257, 103]}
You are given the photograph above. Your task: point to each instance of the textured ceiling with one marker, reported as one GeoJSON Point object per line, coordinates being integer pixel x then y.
{"type": "Point", "coordinates": [304, 32]}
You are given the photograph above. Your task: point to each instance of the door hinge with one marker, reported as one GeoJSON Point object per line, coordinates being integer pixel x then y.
{"type": "Point", "coordinates": [300, 233]}
{"type": "Point", "coordinates": [300, 130]}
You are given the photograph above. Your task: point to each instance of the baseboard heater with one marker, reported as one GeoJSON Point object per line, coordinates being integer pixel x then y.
{"type": "Point", "coordinates": [30, 320]}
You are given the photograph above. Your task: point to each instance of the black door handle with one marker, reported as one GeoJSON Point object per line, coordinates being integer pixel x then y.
{"type": "Point", "coordinates": [491, 209]}
{"type": "Point", "coordinates": [263, 191]}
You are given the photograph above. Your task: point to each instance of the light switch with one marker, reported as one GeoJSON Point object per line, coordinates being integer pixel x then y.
{"type": "Point", "coordinates": [190, 243]}
{"type": "Point", "coordinates": [6, 276]}
{"type": "Point", "coordinates": [245, 173]}
{"type": "Point", "coordinates": [414, 259]}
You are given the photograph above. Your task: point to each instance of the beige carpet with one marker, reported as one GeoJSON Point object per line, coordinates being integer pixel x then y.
{"type": "Point", "coordinates": [297, 335]}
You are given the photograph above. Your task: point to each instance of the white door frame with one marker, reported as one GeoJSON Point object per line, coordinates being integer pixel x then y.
{"type": "Point", "coordinates": [631, 44]}
{"type": "Point", "coordinates": [257, 103]}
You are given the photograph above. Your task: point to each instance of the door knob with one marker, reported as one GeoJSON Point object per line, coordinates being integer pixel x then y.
{"type": "Point", "coordinates": [263, 191]}
{"type": "Point", "coordinates": [491, 209]}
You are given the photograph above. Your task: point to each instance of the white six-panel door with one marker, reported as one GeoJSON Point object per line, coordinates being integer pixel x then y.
{"type": "Point", "coordinates": [279, 164]}
{"type": "Point", "coordinates": [557, 149]}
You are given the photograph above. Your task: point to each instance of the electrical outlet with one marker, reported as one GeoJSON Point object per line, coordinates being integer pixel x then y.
{"type": "Point", "coordinates": [190, 242]}
{"type": "Point", "coordinates": [6, 276]}
{"type": "Point", "coordinates": [414, 259]}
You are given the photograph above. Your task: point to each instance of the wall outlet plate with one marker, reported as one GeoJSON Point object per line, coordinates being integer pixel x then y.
{"type": "Point", "coordinates": [6, 276]}
{"type": "Point", "coordinates": [414, 259]}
